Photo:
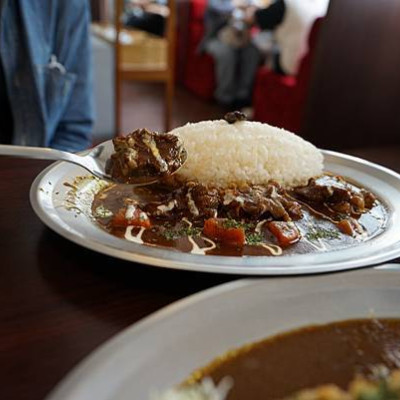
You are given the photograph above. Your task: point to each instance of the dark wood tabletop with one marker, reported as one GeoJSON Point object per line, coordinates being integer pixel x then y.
{"type": "Point", "coordinates": [60, 301]}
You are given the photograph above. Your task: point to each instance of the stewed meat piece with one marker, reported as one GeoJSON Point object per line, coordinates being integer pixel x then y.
{"type": "Point", "coordinates": [369, 198]}
{"type": "Point", "coordinates": [234, 116]}
{"type": "Point", "coordinates": [257, 201]}
{"type": "Point", "coordinates": [205, 200]}
{"type": "Point", "coordinates": [341, 199]}
{"type": "Point", "coordinates": [143, 154]}
{"type": "Point", "coordinates": [199, 201]}
{"type": "Point", "coordinates": [314, 192]}
{"type": "Point", "coordinates": [192, 200]}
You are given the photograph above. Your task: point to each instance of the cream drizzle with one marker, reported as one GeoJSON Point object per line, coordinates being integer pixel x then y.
{"type": "Point", "coordinates": [168, 207]}
{"type": "Point", "coordinates": [130, 212]}
{"type": "Point", "coordinates": [259, 226]}
{"type": "Point", "coordinates": [150, 143]}
{"type": "Point", "coordinates": [137, 238]}
{"type": "Point", "coordinates": [192, 205]}
{"type": "Point", "coordinates": [196, 249]}
{"type": "Point", "coordinates": [273, 248]}
{"type": "Point", "coordinates": [230, 197]}
{"type": "Point", "coordinates": [184, 219]}
{"type": "Point", "coordinates": [201, 250]}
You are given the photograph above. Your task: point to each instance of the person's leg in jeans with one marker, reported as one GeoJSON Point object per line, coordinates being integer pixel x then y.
{"type": "Point", "coordinates": [225, 58]}
{"type": "Point", "coordinates": [249, 59]}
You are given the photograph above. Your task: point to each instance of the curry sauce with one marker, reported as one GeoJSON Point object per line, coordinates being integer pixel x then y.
{"type": "Point", "coordinates": [335, 353]}
{"type": "Point", "coordinates": [329, 213]}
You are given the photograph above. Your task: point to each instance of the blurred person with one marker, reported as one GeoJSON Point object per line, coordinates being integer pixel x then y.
{"type": "Point", "coordinates": [45, 74]}
{"type": "Point", "coordinates": [291, 21]}
{"type": "Point", "coordinates": [146, 15]}
{"type": "Point", "coordinates": [227, 39]}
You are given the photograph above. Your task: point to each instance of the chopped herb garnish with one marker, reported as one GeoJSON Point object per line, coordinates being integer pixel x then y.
{"type": "Point", "coordinates": [102, 212]}
{"type": "Point", "coordinates": [381, 392]}
{"type": "Point", "coordinates": [232, 223]}
{"type": "Point", "coordinates": [322, 233]}
{"type": "Point", "coordinates": [176, 233]}
{"type": "Point", "coordinates": [254, 238]}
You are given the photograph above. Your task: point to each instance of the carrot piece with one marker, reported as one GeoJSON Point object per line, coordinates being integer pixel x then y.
{"type": "Point", "coordinates": [345, 227]}
{"type": "Point", "coordinates": [214, 229]}
{"type": "Point", "coordinates": [139, 218]}
{"type": "Point", "coordinates": [350, 226]}
{"type": "Point", "coordinates": [285, 232]}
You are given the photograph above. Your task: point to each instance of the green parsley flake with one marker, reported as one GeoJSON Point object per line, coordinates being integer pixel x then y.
{"type": "Point", "coordinates": [176, 233]}
{"type": "Point", "coordinates": [102, 212]}
{"type": "Point", "coordinates": [232, 223]}
{"type": "Point", "coordinates": [254, 239]}
{"type": "Point", "coordinates": [322, 233]}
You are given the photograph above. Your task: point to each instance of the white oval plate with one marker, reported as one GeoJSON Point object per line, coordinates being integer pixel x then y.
{"type": "Point", "coordinates": [163, 349]}
{"type": "Point", "coordinates": [48, 194]}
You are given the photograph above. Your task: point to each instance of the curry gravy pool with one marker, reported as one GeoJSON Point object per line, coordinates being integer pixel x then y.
{"type": "Point", "coordinates": [258, 220]}
{"type": "Point", "coordinates": [308, 357]}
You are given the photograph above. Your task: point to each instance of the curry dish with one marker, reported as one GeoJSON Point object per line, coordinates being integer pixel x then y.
{"type": "Point", "coordinates": [331, 354]}
{"type": "Point", "coordinates": [235, 219]}
{"type": "Point", "coordinates": [328, 213]}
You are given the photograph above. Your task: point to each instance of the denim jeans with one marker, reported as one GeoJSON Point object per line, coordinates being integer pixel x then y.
{"type": "Point", "coordinates": [235, 69]}
{"type": "Point", "coordinates": [46, 56]}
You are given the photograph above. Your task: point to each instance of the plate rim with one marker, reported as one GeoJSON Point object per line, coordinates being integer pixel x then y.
{"type": "Point", "coordinates": [64, 389]}
{"type": "Point", "coordinates": [196, 264]}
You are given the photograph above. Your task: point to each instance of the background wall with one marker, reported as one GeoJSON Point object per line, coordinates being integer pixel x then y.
{"type": "Point", "coordinates": [354, 99]}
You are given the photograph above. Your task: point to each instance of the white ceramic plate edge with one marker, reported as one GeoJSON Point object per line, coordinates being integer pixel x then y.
{"type": "Point", "coordinates": [90, 365]}
{"type": "Point", "coordinates": [205, 263]}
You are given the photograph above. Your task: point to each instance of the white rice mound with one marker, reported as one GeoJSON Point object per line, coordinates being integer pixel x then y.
{"type": "Point", "coordinates": [220, 153]}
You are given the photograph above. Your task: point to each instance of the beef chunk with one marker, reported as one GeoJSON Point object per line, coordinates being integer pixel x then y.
{"type": "Point", "coordinates": [339, 197]}
{"type": "Point", "coordinates": [258, 201]}
{"type": "Point", "coordinates": [369, 198]}
{"type": "Point", "coordinates": [144, 154]}
{"type": "Point", "coordinates": [234, 116]}
{"type": "Point", "coordinates": [202, 200]}
{"type": "Point", "coordinates": [314, 192]}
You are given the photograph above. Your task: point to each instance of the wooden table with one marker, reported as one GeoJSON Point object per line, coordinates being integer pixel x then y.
{"type": "Point", "coordinates": [60, 301]}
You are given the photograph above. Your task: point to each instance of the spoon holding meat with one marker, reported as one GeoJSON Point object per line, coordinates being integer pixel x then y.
{"type": "Point", "coordinates": [144, 157]}
{"type": "Point", "coordinates": [165, 156]}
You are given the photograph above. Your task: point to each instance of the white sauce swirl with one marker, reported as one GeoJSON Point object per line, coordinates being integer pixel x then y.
{"type": "Point", "coordinates": [196, 249]}
{"type": "Point", "coordinates": [192, 205]}
{"type": "Point", "coordinates": [137, 238]}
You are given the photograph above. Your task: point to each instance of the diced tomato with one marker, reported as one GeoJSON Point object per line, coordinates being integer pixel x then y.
{"type": "Point", "coordinates": [139, 218]}
{"type": "Point", "coordinates": [285, 232]}
{"type": "Point", "coordinates": [214, 229]}
{"type": "Point", "coordinates": [350, 226]}
{"type": "Point", "coordinates": [345, 227]}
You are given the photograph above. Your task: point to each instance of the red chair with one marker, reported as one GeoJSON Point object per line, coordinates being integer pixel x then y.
{"type": "Point", "coordinates": [279, 100]}
{"type": "Point", "coordinates": [198, 69]}
{"type": "Point", "coordinates": [198, 73]}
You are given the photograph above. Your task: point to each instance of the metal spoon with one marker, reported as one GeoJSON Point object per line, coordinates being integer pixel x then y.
{"type": "Point", "coordinates": [93, 161]}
